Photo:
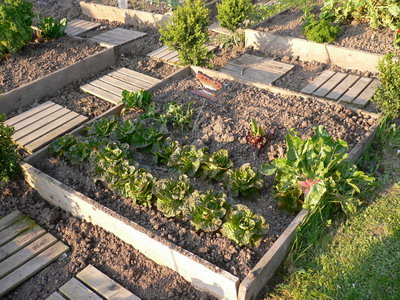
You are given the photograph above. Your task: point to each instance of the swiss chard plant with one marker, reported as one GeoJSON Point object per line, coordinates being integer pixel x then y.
{"type": "Point", "coordinates": [171, 194]}
{"type": "Point", "coordinates": [316, 170]}
{"type": "Point", "coordinates": [206, 211]}
{"type": "Point", "coordinates": [52, 29]}
{"type": "Point", "coordinates": [139, 100]}
{"type": "Point", "coordinates": [243, 181]}
{"type": "Point", "coordinates": [187, 159]}
{"type": "Point", "coordinates": [244, 226]}
{"type": "Point", "coordinates": [215, 165]}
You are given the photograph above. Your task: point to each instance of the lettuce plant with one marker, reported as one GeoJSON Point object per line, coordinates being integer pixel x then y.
{"type": "Point", "coordinates": [123, 131]}
{"type": "Point", "coordinates": [216, 164]}
{"type": "Point", "coordinates": [175, 114]}
{"type": "Point", "coordinates": [313, 170]}
{"type": "Point", "coordinates": [140, 186]}
{"type": "Point", "coordinates": [187, 159]}
{"type": "Point", "coordinates": [244, 226]}
{"type": "Point", "coordinates": [243, 181]}
{"type": "Point", "coordinates": [171, 195]}
{"type": "Point", "coordinates": [62, 145]}
{"type": "Point", "coordinates": [138, 100]}
{"type": "Point", "coordinates": [103, 127]}
{"type": "Point", "coordinates": [206, 211]}
{"type": "Point", "coordinates": [144, 137]}
{"type": "Point", "coordinates": [164, 149]}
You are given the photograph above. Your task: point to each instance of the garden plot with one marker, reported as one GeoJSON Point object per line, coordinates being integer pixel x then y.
{"type": "Point", "coordinates": [216, 264]}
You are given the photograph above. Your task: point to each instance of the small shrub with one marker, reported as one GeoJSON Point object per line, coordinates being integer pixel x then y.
{"type": "Point", "coordinates": [9, 156]}
{"type": "Point", "coordinates": [387, 95]}
{"type": "Point", "coordinates": [233, 13]}
{"type": "Point", "coordinates": [187, 33]}
{"type": "Point", "coordinates": [15, 25]}
{"type": "Point", "coordinates": [52, 29]}
{"type": "Point", "coordinates": [320, 31]}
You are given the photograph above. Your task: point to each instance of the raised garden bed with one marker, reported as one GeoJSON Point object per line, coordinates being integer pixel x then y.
{"type": "Point", "coordinates": [135, 17]}
{"type": "Point", "coordinates": [52, 65]}
{"type": "Point", "coordinates": [217, 265]}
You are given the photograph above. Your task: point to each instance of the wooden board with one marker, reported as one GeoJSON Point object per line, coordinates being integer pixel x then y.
{"type": "Point", "coordinates": [104, 285]}
{"type": "Point", "coordinates": [39, 126]}
{"type": "Point", "coordinates": [328, 86]}
{"type": "Point", "coordinates": [55, 296]}
{"type": "Point", "coordinates": [339, 90]}
{"type": "Point", "coordinates": [255, 68]}
{"type": "Point", "coordinates": [317, 82]}
{"type": "Point", "coordinates": [110, 86]}
{"type": "Point", "coordinates": [169, 56]}
{"type": "Point", "coordinates": [364, 97]}
{"type": "Point", "coordinates": [9, 219]}
{"type": "Point", "coordinates": [356, 89]}
{"type": "Point", "coordinates": [77, 27]}
{"type": "Point", "coordinates": [15, 229]}
{"type": "Point", "coordinates": [75, 290]}
{"type": "Point", "coordinates": [117, 37]}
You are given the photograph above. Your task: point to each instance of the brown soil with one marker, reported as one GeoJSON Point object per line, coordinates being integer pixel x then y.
{"type": "Point", "coordinates": [37, 60]}
{"type": "Point", "coordinates": [355, 35]}
{"type": "Point", "coordinates": [224, 125]}
{"type": "Point", "coordinates": [89, 245]}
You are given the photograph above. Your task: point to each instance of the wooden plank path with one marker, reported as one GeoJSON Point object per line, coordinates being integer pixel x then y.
{"type": "Point", "coordinates": [25, 249]}
{"type": "Point", "coordinates": [77, 27]}
{"type": "Point", "coordinates": [110, 86]}
{"type": "Point", "coordinates": [342, 87]}
{"type": "Point", "coordinates": [256, 69]}
{"type": "Point", "coordinates": [117, 37]}
{"type": "Point", "coordinates": [169, 56]}
{"type": "Point", "coordinates": [40, 125]}
{"type": "Point", "coordinates": [92, 284]}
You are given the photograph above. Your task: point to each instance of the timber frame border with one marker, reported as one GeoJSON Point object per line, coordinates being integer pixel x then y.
{"type": "Point", "coordinates": [199, 272]}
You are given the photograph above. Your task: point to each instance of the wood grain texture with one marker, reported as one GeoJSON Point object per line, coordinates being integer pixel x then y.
{"type": "Point", "coordinates": [75, 290]}
{"type": "Point", "coordinates": [18, 227]}
{"type": "Point", "coordinates": [55, 296]}
{"type": "Point", "coordinates": [339, 90]}
{"type": "Point", "coordinates": [9, 219]}
{"type": "Point", "coordinates": [329, 85]}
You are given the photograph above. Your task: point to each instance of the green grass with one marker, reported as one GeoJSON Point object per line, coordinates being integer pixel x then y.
{"type": "Point", "coordinates": [358, 258]}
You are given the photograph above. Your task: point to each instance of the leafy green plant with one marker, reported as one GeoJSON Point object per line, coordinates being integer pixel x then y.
{"type": "Point", "coordinates": [144, 137]}
{"type": "Point", "coordinates": [215, 165]}
{"type": "Point", "coordinates": [15, 25]}
{"type": "Point", "coordinates": [243, 181]}
{"type": "Point", "coordinates": [257, 136]}
{"type": "Point", "coordinates": [187, 159]}
{"type": "Point", "coordinates": [262, 11]}
{"type": "Point", "coordinates": [171, 195]}
{"type": "Point", "coordinates": [175, 114]}
{"type": "Point", "coordinates": [61, 145]}
{"type": "Point", "coordinates": [244, 226]}
{"type": "Point", "coordinates": [139, 100]}
{"type": "Point", "coordinates": [320, 31]}
{"type": "Point", "coordinates": [103, 127]}
{"type": "Point", "coordinates": [140, 186]}
{"type": "Point", "coordinates": [387, 95]}
{"type": "Point", "coordinates": [233, 13]}
{"type": "Point", "coordinates": [52, 29]}
{"type": "Point", "coordinates": [316, 169]}
{"type": "Point", "coordinates": [9, 157]}
{"type": "Point", "coordinates": [206, 211]}
{"type": "Point", "coordinates": [187, 33]}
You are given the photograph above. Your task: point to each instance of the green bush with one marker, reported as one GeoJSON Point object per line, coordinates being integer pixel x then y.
{"type": "Point", "coordinates": [233, 13]}
{"type": "Point", "coordinates": [387, 95]}
{"type": "Point", "coordinates": [15, 25]}
{"type": "Point", "coordinates": [187, 33]}
{"type": "Point", "coordinates": [9, 156]}
{"type": "Point", "coordinates": [320, 31]}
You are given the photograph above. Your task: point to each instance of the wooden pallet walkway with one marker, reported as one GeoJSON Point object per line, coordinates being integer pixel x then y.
{"type": "Point", "coordinates": [77, 27]}
{"type": "Point", "coordinates": [256, 69]}
{"type": "Point", "coordinates": [169, 56]}
{"type": "Point", "coordinates": [90, 283]}
{"type": "Point", "coordinates": [342, 87]}
{"type": "Point", "coordinates": [110, 86]}
{"type": "Point", "coordinates": [38, 126]}
{"type": "Point", "coordinates": [117, 37]}
{"type": "Point", "coordinates": [25, 249]}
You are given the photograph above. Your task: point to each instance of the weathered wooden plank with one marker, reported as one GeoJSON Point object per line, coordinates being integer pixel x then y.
{"type": "Point", "coordinates": [60, 130]}
{"type": "Point", "coordinates": [250, 74]}
{"type": "Point", "coordinates": [258, 62]}
{"type": "Point", "coordinates": [31, 267]}
{"type": "Point", "coordinates": [364, 97]}
{"type": "Point", "coordinates": [169, 56]}
{"type": "Point", "coordinates": [75, 290]}
{"type": "Point", "coordinates": [155, 53]}
{"type": "Point", "coordinates": [21, 241]}
{"type": "Point", "coordinates": [135, 81]}
{"type": "Point", "coordinates": [328, 86]}
{"type": "Point", "coordinates": [356, 89]}
{"type": "Point", "coordinates": [9, 219]}
{"type": "Point", "coordinates": [27, 114]}
{"type": "Point", "coordinates": [119, 83]}
{"type": "Point", "coordinates": [317, 82]}
{"type": "Point", "coordinates": [55, 296]}
{"type": "Point", "coordinates": [107, 87]}
{"type": "Point", "coordinates": [88, 88]}
{"type": "Point", "coordinates": [104, 285]}
{"type": "Point", "coordinates": [80, 27]}
{"type": "Point", "coordinates": [127, 33]}
{"type": "Point", "coordinates": [19, 226]}
{"type": "Point", "coordinates": [338, 91]}
{"type": "Point", "coordinates": [18, 259]}
{"type": "Point", "coordinates": [118, 37]}
{"type": "Point", "coordinates": [255, 281]}
{"type": "Point", "coordinates": [138, 75]}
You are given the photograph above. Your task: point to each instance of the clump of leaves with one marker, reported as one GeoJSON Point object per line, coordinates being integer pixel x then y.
{"type": "Point", "coordinates": [187, 33]}
{"type": "Point", "coordinates": [320, 31]}
{"type": "Point", "coordinates": [316, 169]}
{"type": "Point", "coordinates": [257, 136]}
{"type": "Point", "coordinates": [144, 137]}
{"type": "Point", "coordinates": [171, 195]}
{"type": "Point", "coordinates": [387, 95]}
{"type": "Point", "coordinates": [61, 146]}
{"type": "Point", "coordinates": [138, 100]}
{"type": "Point", "coordinates": [187, 159]}
{"type": "Point", "coordinates": [52, 29]}
{"type": "Point", "coordinates": [164, 149]}
{"type": "Point", "coordinates": [177, 117]}
{"type": "Point", "coordinates": [216, 165]}
{"type": "Point", "coordinates": [206, 211]}
{"type": "Point", "coordinates": [243, 181]}
{"type": "Point", "coordinates": [15, 25]}
{"type": "Point", "coordinates": [103, 127]}
{"type": "Point", "coordinates": [9, 157]}
{"type": "Point", "coordinates": [244, 226]}
{"type": "Point", "coordinates": [140, 186]}
{"type": "Point", "coordinates": [233, 13]}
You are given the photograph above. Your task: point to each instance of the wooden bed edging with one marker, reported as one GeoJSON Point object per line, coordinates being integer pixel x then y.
{"type": "Point", "coordinates": [142, 19]}
{"type": "Point", "coordinates": [51, 83]}
{"type": "Point", "coordinates": [308, 51]}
